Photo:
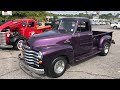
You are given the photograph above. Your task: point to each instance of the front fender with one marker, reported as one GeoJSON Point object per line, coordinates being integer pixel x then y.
{"type": "Point", "coordinates": [51, 52]}
{"type": "Point", "coordinates": [13, 40]}
{"type": "Point", "coordinates": [104, 39]}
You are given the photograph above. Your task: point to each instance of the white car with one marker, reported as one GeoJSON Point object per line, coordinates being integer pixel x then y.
{"type": "Point", "coordinates": [115, 25]}
{"type": "Point", "coordinates": [102, 23]}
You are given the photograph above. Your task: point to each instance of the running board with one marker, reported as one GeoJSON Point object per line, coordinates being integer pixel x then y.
{"type": "Point", "coordinates": [79, 58]}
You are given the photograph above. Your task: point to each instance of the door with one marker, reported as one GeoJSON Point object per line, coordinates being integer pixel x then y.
{"type": "Point", "coordinates": [83, 41]}
{"type": "Point", "coordinates": [30, 30]}
{"type": "Point", "coordinates": [118, 25]}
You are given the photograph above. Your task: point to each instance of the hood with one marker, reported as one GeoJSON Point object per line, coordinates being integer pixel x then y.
{"type": "Point", "coordinates": [5, 25]}
{"type": "Point", "coordinates": [49, 38]}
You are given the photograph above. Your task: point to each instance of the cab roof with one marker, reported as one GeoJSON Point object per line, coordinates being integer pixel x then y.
{"type": "Point", "coordinates": [75, 18]}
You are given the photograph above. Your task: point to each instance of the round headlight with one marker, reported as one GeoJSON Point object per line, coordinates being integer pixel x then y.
{"type": "Point", "coordinates": [40, 56]}
{"type": "Point", "coordinates": [8, 34]}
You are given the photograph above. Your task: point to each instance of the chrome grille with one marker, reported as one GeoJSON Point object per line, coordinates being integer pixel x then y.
{"type": "Point", "coordinates": [2, 38]}
{"type": "Point", "coordinates": [30, 56]}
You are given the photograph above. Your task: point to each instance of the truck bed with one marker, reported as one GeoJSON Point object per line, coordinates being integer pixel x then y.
{"type": "Point", "coordinates": [101, 33]}
{"type": "Point", "coordinates": [97, 35]}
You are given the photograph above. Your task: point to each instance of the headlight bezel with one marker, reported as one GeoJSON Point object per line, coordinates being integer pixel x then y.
{"type": "Point", "coordinates": [40, 55]}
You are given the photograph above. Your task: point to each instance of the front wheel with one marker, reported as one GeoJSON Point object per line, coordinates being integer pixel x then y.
{"type": "Point", "coordinates": [18, 44]}
{"type": "Point", "coordinates": [105, 49]}
{"type": "Point", "coordinates": [57, 67]}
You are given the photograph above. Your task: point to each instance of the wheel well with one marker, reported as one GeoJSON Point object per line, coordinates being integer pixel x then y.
{"type": "Point", "coordinates": [114, 26]}
{"type": "Point", "coordinates": [65, 57]}
{"type": "Point", "coordinates": [109, 41]}
{"type": "Point", "coordinates": [17, 41]}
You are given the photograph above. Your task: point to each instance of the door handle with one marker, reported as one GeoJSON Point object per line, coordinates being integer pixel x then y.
{"type": "Point", "coordinates": [89, 34]}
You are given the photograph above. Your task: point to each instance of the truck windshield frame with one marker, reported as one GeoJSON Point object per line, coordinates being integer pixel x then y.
{"type": "Point", "coordinates": [65, 26]}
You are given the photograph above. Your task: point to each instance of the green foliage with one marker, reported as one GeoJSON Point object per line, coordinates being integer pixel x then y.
{"type": "Point", "coordinates": [76, 15]}
{"type": "Point", "coordinates": [37, 15]}
{"type": "Point", "coordinates": [107, 16]}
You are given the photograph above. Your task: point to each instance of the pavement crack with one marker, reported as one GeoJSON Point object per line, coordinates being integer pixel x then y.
{"type": "Point", "coordinates": [9, 72]}
{"type": "Point", "coordinates": [94, 74]}
{"type": "Point", "coordinates": [11, 54]}
{"type": "Point", "coordinates": [7, 58]}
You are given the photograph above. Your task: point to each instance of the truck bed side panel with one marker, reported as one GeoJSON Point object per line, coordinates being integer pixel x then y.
{"type": "Point", "coordinates": [100, 37]}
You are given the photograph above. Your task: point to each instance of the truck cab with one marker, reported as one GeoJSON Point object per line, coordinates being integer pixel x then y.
{"type": "Point", "coordinates": [70, 41]}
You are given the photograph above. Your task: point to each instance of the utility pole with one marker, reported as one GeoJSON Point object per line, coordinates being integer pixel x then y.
{"type": "Point", "coordinates": [114, 17]}
{"type": "Point", "coordinates": [86, 13]}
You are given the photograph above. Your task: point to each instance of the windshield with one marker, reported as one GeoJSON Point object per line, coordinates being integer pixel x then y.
{"type": "Point", "coordinates": [65, 25]}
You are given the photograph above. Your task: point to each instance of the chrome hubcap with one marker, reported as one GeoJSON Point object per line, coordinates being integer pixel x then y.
{"type": "Point", "coordinates": [19, 44]}
{"type": "Point", "coordinates": [106, 49]}
{"type": "Point", "coordinates": [59, 66]}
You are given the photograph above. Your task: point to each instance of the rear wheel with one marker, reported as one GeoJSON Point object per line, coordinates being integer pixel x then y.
{"type": "Point", "coordinates": [57, 67]}
{"type": "Point", "coordinates": [105, 49]}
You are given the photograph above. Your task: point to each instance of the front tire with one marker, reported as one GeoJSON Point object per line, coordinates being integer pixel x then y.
{"type": "Point", "coordinates": [105, 49]}
{"type": "Point", "coordinates": [57, 67]}
{"type": "Point", "coordinates": [115, 27]}
{"type": "Point", "coordinates": [18, 44]}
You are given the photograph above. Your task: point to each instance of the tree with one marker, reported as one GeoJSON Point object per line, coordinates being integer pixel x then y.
{"type": "Point", "coordinates": [106, 16]}
{"type": "Point", "coordinates": [38, 15]}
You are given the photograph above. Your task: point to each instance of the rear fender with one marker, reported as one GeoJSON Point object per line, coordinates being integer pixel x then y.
{"type": "Point", "coordinates": [104, 39]}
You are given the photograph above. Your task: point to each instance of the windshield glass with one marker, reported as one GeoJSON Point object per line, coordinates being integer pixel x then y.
{"type": "Point", "coordinates": [65, 25]}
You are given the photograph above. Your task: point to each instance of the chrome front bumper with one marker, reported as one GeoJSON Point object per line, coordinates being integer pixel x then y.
{"type": "Point", "coordinates": [32, 69]}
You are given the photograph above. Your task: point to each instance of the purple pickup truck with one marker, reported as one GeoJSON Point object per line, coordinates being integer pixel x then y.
{"type": "Point", "coordinates": [70, 41]}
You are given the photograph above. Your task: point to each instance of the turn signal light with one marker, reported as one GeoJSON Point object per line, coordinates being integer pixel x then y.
{"type": "Point", "coordinates": [40, 62]}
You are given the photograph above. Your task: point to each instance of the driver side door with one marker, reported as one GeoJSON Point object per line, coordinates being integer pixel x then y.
{"type": "Point", "coordinates": [83, 41]}
{"type": "Point", "coordinates": [30, 30]}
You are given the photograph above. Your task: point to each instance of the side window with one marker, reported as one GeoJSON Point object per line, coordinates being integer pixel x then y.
{"type": "Point", "coordinates": [83, 27]}
{"type": "Point", "coordinates": [56, 24]}
{"type": "Point", "coordinates": [24, 24]}
{"type": "Point", "coordinates": [31, 24]}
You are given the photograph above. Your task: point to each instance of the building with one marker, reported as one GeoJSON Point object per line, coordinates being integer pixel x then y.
{"type": "Point", "coordinates": [95, 15]}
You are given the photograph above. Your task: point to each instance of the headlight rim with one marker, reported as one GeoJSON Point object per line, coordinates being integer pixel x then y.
{"type": "Point", "coordinates": [40, 55]}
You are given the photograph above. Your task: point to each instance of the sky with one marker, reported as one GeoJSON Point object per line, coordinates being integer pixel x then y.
{"type": "Point", "coordinates": [77, 12]}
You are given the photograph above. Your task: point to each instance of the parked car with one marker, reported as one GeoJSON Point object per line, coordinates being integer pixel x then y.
{"type": "Point", "coordinates": [70, 41]}
{"type": "Point", "coordinates": [115, 25]}
{"type": "Point", "coordinates": [13, 33]}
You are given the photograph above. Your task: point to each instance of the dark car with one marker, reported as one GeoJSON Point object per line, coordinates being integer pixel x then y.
{"type": "Point", "coordinates": [70, 41]}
